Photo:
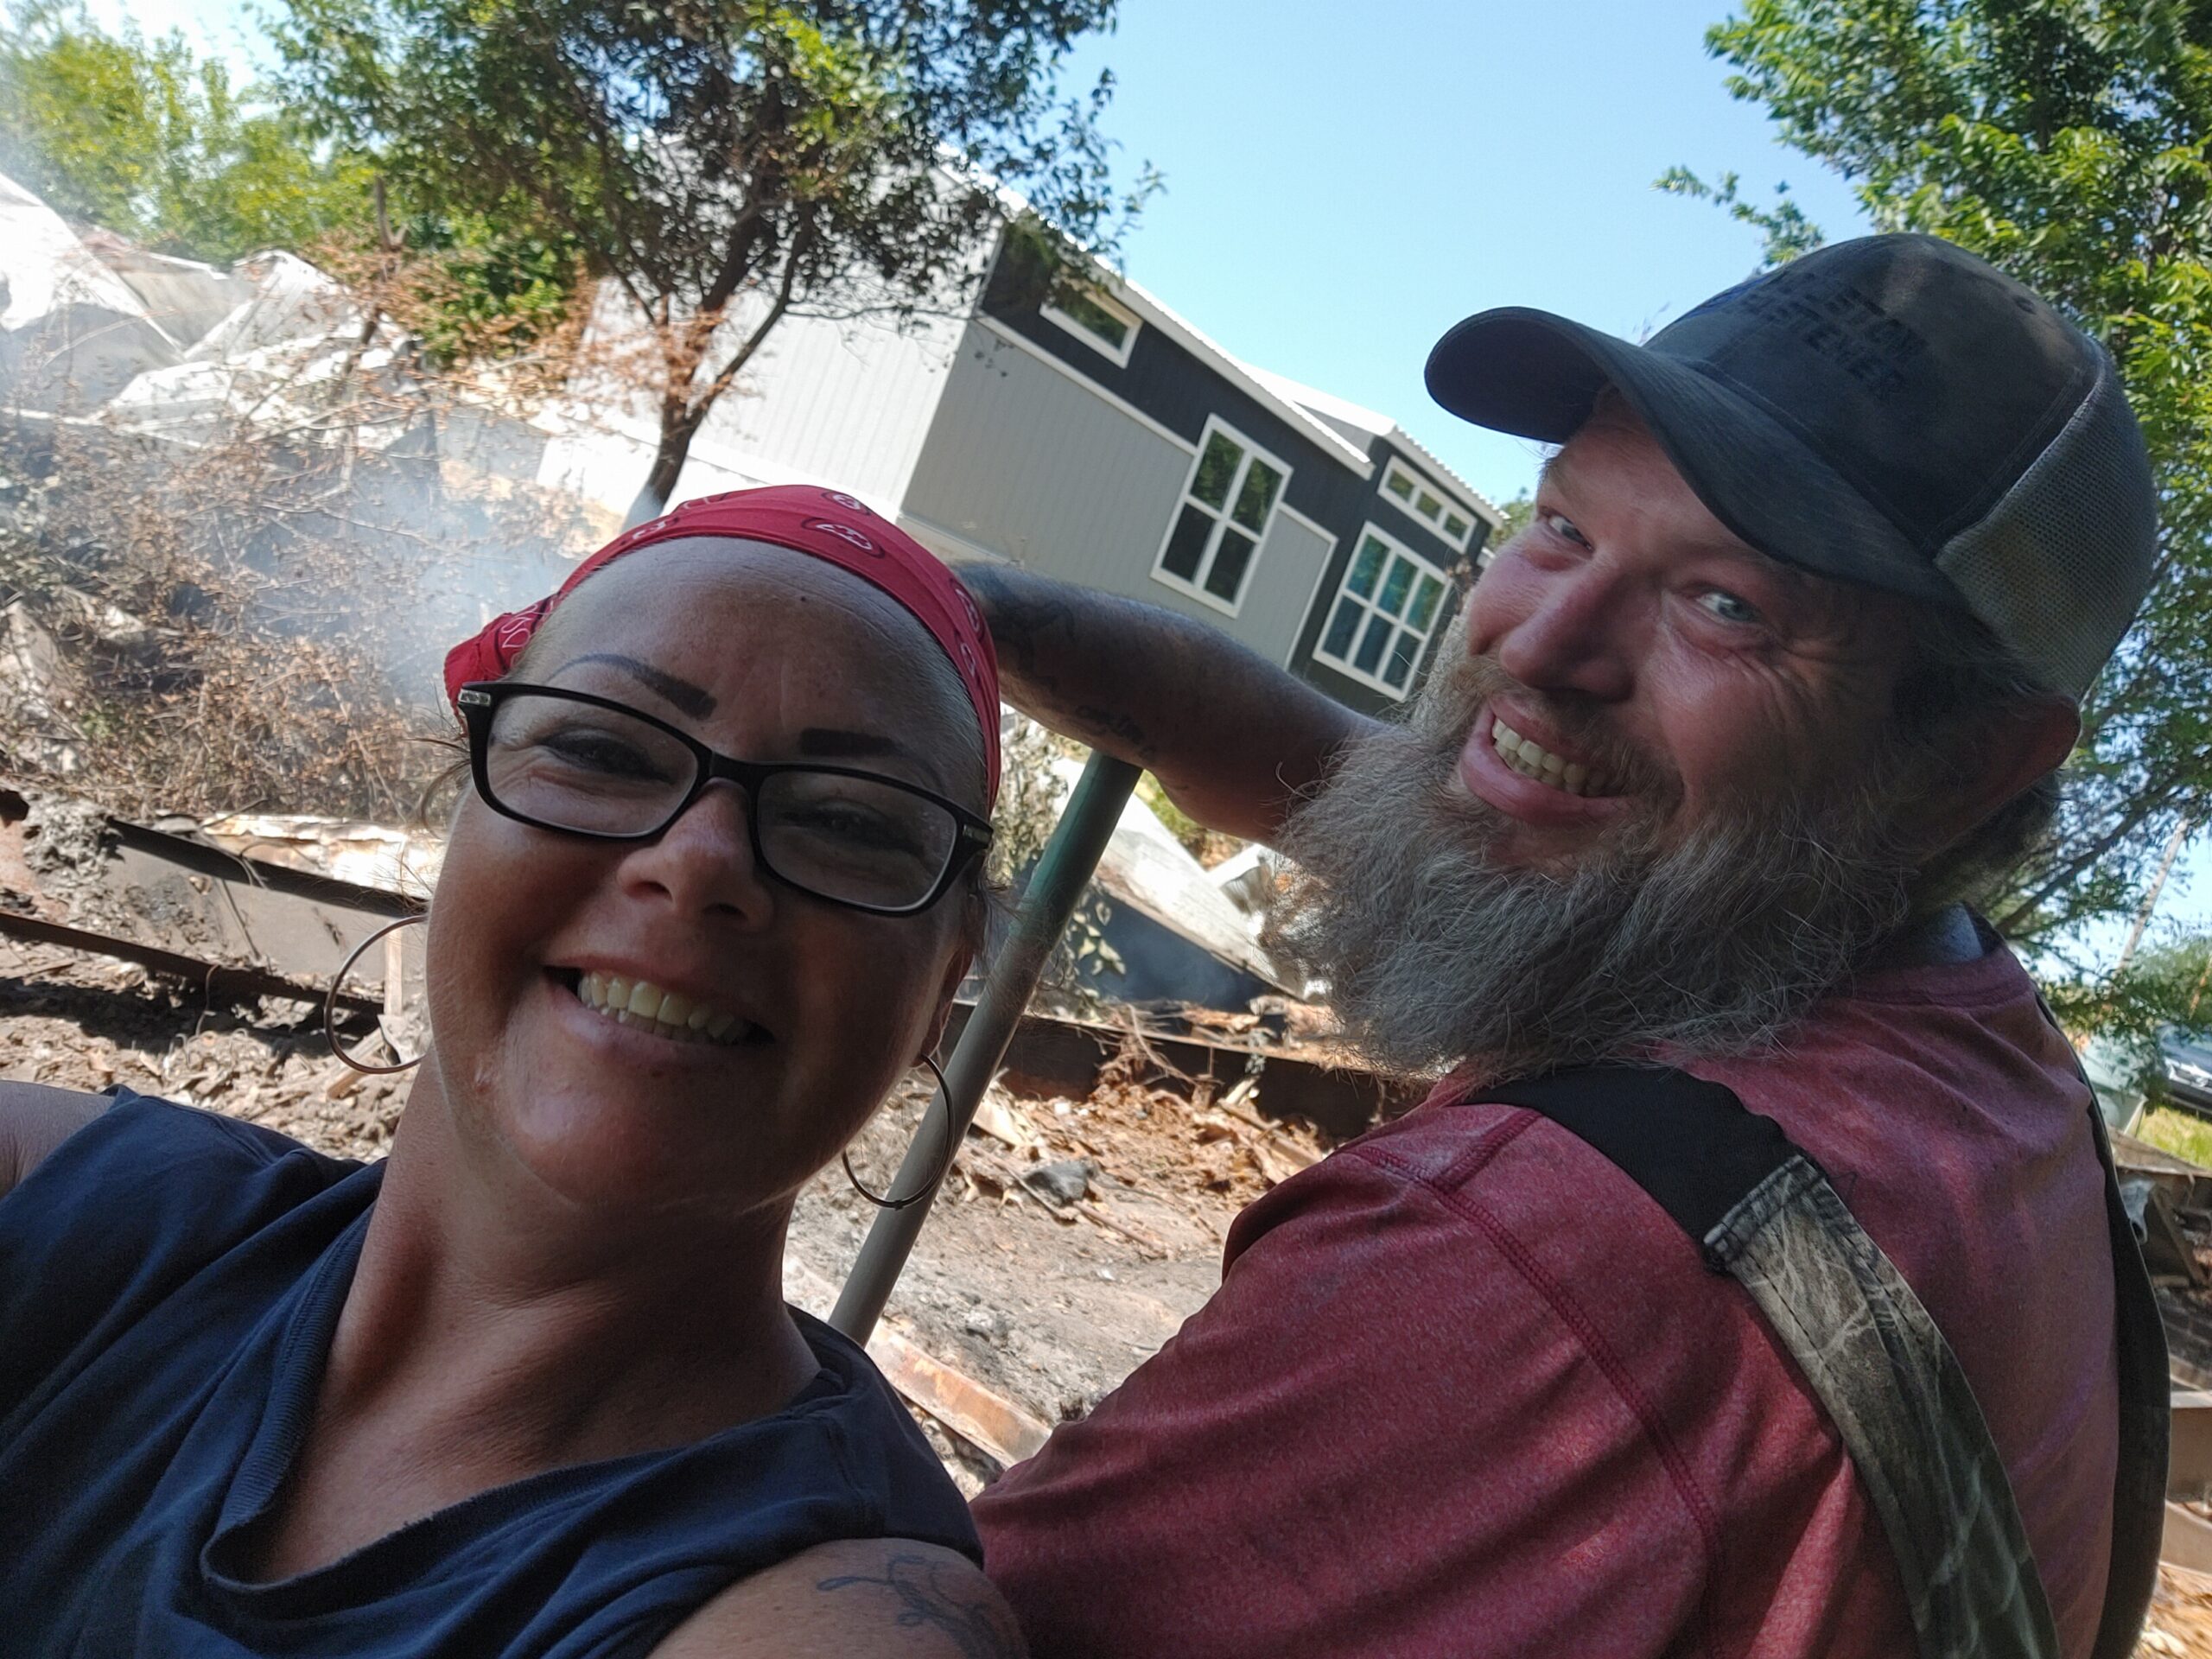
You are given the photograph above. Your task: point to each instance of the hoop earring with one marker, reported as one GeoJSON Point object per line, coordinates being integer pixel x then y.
{"type": "Point", "coordinates": [882, 1201]}
{"type": "Point", "coordinates": [330, 1008]}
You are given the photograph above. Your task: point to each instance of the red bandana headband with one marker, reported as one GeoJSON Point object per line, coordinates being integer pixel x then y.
{"type": "Point", "coordinates": [827, 524]}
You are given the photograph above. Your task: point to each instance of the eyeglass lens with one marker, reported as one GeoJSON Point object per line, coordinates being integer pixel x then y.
{"type": "Point", "coordinates": [569, 766]}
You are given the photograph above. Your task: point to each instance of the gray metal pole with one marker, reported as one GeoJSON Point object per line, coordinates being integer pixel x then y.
{"type": "Point", "coordinates": [1063, 870]}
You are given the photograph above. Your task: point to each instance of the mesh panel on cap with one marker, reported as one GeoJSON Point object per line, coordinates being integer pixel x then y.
{"type": "Point", "coordinates": [2058, 566]}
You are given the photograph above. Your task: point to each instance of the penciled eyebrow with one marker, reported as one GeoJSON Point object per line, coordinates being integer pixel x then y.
{"type": "Point", "coordinates": [678, 694]}
{"type": "Point", "coordinates": [833, 742]}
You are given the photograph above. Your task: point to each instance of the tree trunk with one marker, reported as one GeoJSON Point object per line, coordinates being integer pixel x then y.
{"type": "Point", "coordinates": [676, 436]}
{"type": "Point", "coordinates": [2150, 898]}
{"type": "Point", "coordinates": [685, 402]}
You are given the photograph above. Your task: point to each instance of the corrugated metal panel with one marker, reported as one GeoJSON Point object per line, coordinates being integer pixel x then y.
{"type": "Point", "coordinates": [824, 400]}
{"type": "Point", "coordinates": [846, 402]}
{"type": "Point", "coordinates": [1026, 462]}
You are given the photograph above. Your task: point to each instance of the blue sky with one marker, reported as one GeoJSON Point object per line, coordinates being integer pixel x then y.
{"type": "Point", "coordinates": [1343, 183]}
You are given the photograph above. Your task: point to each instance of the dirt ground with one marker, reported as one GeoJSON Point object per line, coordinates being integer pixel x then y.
{"type": "Point", "coordinates": [2180, 1625]}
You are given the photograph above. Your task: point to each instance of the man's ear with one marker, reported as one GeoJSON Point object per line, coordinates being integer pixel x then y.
{"type": "Point", "coordinates": [1993, 756]}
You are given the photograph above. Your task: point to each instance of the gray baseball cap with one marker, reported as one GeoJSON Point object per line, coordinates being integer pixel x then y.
{"type": "Point", "coordinates": [1891, 411]}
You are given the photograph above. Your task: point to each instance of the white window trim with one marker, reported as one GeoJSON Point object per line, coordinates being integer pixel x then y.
{"type": "Point", "coordinates": [1452, 503]}
{"type": "Point", "coordinates": [1423, 565]}
{"type": "Point", "coordinates": [1196, 588]}
{"type": "Point", "coordinates": [1117, 355]}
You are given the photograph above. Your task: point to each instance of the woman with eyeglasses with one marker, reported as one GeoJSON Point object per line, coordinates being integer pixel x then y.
{"type": "Point", "coordinates": [530, 1386]}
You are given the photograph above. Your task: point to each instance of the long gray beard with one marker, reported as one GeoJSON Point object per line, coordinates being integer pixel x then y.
{"type": "Point", "coordinates": [1435, 956]}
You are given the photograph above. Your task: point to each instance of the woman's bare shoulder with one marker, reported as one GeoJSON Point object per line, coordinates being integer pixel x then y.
{"type": "Point", "coordinates": [857, 1598]}
{"type": "Point", "coordinates": [35, 1119]}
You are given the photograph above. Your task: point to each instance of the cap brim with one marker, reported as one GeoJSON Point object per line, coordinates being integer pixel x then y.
{"type": "Point", "coordinates": [1539, 376]}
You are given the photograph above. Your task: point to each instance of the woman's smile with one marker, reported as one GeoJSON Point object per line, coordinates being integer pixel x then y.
{"type": "Point", "coordinates": [632, 1041]}
{"type": "Point", "coordinates": [647, 1006]}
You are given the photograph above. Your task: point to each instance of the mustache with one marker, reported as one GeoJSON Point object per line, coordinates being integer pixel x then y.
{"type": "Point", "coordinates": [1708, 939]}
{"type": "Point", "coordinates": [1459, 688]}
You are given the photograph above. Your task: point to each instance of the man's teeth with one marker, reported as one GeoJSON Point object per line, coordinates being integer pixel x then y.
{"type": "Point", "coordinates": [1531, 759]}
{"type": "Point", "coordinates": [644, 1006]}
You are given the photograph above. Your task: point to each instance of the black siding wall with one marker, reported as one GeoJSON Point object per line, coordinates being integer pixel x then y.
{"type": "Point", "coordinates": [1180, 389]}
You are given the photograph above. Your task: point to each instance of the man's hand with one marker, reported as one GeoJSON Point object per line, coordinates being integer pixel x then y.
{"type": "Point", "coordinates": [1234, 741]}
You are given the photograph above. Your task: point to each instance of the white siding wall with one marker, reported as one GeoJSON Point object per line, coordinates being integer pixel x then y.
{"type": "Point", "coordinates": [1025, 462]}
{"type": "Point", "coordinates": [843, 402]}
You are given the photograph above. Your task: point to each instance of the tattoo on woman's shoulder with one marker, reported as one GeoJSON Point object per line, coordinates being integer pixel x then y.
{"type": "Point", "coordinates": [980, 1627]}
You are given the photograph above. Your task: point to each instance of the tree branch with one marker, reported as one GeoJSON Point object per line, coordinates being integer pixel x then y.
{"type": "Point", "coordinates": [785, 287]}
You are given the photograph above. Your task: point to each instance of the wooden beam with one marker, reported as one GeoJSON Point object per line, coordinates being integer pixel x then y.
{"type": "Point", "coordinates": [216, 982]}
{"type": "Point", "coordinates": [985, 1419]}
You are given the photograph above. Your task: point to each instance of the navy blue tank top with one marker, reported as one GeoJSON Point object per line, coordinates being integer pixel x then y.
{"type": "Point", "coordinates": [170, 1281]}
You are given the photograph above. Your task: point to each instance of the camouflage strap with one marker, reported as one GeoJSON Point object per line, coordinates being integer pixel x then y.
{"type": "Point", "coordinates": [1766, 1215]}
{"type": "Point", "coordinates": [1893, 1388]}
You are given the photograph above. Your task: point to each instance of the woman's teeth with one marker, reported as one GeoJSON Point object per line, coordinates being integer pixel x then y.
{"type": "Point", "coordinates": [643, 1006]}
{"type": "Point", "coordinates": [1531, 759]}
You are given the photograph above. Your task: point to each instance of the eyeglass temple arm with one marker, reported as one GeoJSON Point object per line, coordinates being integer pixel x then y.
{"type": "Point", "coordinates": [1063, 870]}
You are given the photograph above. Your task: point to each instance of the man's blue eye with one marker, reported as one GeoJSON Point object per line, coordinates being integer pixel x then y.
{"type": "Point", "coordinates": [1728, 608]}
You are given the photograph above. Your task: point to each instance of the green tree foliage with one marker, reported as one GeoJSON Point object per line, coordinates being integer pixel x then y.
{"type": "Point", "coordinates": [2166, 986]}
{"type": "Point", "coordinates": [722, 161]}
{"type": "Point", "coordinates": [1518, 513]}
{"type": "Point", "coordinates": [484, 289]}
{"type": "Point", "coordinates": [142, 137]}
{"type": "Point", "coordinates": [2069, 141]}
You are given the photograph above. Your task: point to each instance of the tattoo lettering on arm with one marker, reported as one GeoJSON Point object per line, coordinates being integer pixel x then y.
{"type": "Point", "coordinates": [981, 1628]}
{"type": "Point", "coordinates": [1108, 723]}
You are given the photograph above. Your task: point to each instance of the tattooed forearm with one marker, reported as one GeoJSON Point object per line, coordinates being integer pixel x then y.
{"type": "Point", "coordinates": [1108, 728]}
{"type": "Point", "coordinates": [1232, 736]}
{"type": "Point", "coordinates": [1063, 652]}
{"type": "Point", "coordinates": [1019, 624]}
{"type": "Point", "coordinates": [980, 1627]}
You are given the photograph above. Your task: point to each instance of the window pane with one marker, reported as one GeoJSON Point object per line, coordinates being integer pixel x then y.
{"type": "Point", "coordinates": [1338, 641]}
{"type": "Point", "coordinates": [1366, 568]}
{"type": "Point", "coordinates": [1429, 506]}
{"type": "Point", "coordinates": [1396, 587]}
{"type": "Point", "coordinates": [1399, 486]}
{"type": "Point", "coordinates": [1379, 629]}
{"type": "Point", "coordinates": [1454, 525]}
{"type": "Point", "coordinates": [1227, 576]}
{"type": "Point", "coordinates": [1216, 470]}
{"type": "Point", "coordinates": [1096, 318]}
{"type": "Point", "coordinates": [1257, 498]}
{"type": "Point", "coordinates": [1403, 655]}
{"type": "Point", "coordinates": [1188, 545]}
{"type": "Point", "coordinates": [1425, 602]}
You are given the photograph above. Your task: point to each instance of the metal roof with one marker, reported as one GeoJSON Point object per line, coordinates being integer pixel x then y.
{"type": "Point", "coordinates": [1233, 368]}
{"type": "Point", "coordinates": [1382, 426]}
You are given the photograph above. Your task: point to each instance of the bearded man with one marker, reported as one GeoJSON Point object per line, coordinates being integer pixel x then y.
{"type": "Point", "coordinates": [1752, 1282]}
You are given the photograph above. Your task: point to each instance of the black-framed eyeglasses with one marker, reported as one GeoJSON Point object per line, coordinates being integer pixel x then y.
{"type": "Point", "coordinates": [587, 765]}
